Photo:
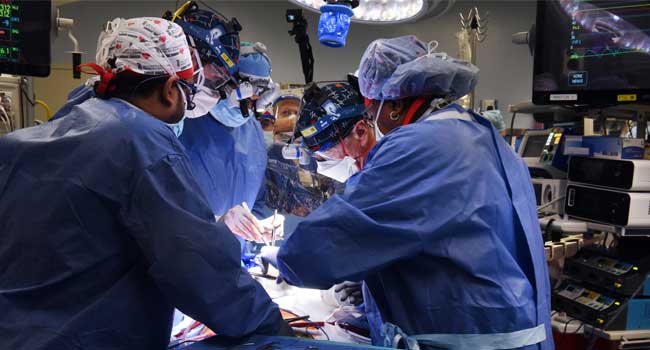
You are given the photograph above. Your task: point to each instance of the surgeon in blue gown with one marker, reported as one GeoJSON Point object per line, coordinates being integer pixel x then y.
{"type": "Point", "coordinates": [440, 223]}
{"type": "Point", "coordinates": [104, 227]}
{"type": "Point", "coordinates": [227, 147]}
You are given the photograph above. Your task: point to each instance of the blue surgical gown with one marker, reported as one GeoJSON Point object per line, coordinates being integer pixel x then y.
{"type": "Point", "coordinates": [105, 230]}
{"type": "Point", "coordinates": [229, 163]}
{"type": "Point", "coordinates": [442, 227]}
{"type": "Point", "coordinates": [77, 96]}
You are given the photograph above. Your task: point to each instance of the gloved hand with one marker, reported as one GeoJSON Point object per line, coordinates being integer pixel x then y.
{"type": "Point", "coordinates": [243, 91]}
{"type": "Point", "coordinates": [349, 293]}
{"type": "Point", "coordinates": [243, 223]}
{"type": "Point", "coordinates": [285, 330]}
{"type": "Point", "coordinates": [269, 255]}
{"type": "Point", "coordinates": [269, 224]}
{"type": "Point", "coordinates": [271, 92]}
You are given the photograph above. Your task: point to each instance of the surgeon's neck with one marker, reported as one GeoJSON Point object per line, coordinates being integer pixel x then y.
{"type": "Point", "coordinates": [152, 106]}
{"type": "Point", "coordinates": [363, 156]}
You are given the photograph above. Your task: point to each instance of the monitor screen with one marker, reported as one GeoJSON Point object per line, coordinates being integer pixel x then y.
{"type": "Point", "coordinates": [534, 146]}
{"type": "Point", "coordinates": [592, 52]}
{"type": "Point", "coordinates": [25, 36]}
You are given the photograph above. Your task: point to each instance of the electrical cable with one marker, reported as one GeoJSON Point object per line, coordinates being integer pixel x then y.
{"type": "Point", "coordinates": [10, 120]}
{"type": "Point", "coordinates": [24, 93]}
{"type": "Point", "coordinates": [211, 8]}
{"type": "Point", "coordinates": [550, 203]}
{"type": "Point", "coordinates": [6, 120]}
{"type": "Point", "coordinates": [326, 335]}
{"type": "Point", "coordinates": [48, 110]}
{"type": "Point", "coordinates": [582, 325]}
{"type": "Point", "coordinates": [547, 230]}
{"type": "Point", "coordinates": [613, 243]}
{"type": "Point", "coordinates": [6, 126]}
{"type": "Point", "coordinates": [512, 125]}
{"type": "Point", "coordinates": [566, 324]}
{"type": "Point", "coordinates": [31, 101]}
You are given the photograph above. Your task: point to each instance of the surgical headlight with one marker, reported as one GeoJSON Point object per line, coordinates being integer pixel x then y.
{"type": "Point", "coordinates": [335, 22]}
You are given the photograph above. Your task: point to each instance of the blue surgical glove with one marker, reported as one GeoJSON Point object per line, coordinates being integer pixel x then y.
{"type": "Point", "coordinates": [349, 293]}
{"type": "Point", "coordinates": [269, 255]}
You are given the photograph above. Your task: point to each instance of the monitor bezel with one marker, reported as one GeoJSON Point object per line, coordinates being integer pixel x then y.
{"type": "Point", "coordinates": [594, 98]}
{"type": "Point", "coordinates": [44, 11]}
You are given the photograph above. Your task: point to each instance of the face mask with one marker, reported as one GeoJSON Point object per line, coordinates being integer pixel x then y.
{"type": "Point", "coordinates": [204, 101]}
{"type": "Point", "coordinates": [339, 170]}
{"type": "Point", "coordinates": [228, 116]}
{"type": "Point", "coordinates": [177, 128]}
{"type": "Point", "coordinates": [378, 134]}
{"type": "Point", "coordinates": [268, 139]}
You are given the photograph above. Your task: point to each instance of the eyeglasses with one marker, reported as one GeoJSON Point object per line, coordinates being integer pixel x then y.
{"type": "Point", "coordinates": [190, 91]}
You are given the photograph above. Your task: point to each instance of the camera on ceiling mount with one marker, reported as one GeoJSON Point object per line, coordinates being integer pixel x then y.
{"type": "Point", "coordinates": [299, 32]}
{"type": "Point", "coordinates": [295, 16]}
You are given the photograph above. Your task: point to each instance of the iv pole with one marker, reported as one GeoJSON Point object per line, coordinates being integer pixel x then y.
{"type": "Point", "coordinates": [474, 29]}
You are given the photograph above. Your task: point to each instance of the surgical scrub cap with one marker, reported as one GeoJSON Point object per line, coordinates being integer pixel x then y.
{"type": "Point", "coordinates": [146, 45]}
{"type": "Point", "coordinates": [254, 63]}
{"type": "Point", "coordinates": [495, 117]}
{"type": "Point", "coordinates": [401, 67]}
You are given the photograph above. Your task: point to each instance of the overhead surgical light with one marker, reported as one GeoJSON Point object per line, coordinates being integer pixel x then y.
{"type": "Point", "coordinates": [384, 11]}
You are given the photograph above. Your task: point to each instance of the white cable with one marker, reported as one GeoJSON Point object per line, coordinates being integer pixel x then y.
{"type": "Point", "coordinates": [4, 122]}
{"type": "Point", "coordinates": [7, 126]}
{"type": "Point", "coordinates": [12, 122]}
{"type": "Point", "coordinates": [550, 203]}
{"type": "Point", "coordinates": [6, 119]}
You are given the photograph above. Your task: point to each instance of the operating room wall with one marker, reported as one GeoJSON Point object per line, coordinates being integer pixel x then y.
{"type": "Point", "coordinates": [506, 69]}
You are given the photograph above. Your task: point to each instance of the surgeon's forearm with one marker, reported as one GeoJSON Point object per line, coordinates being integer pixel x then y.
{"type": "Point", "coordinates": [195, 260]}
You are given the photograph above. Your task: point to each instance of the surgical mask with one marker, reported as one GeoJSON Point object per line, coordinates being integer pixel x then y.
{"type": "Point", "coordinates": [378, 134]}
{"type": "Point", "coordinates": [339, 170]}
{"type": "Point", "coordinates": [228, 116]}
{"type": "Point", "coordinates": [204, 101]}
{"type": "Point", "coordinates": [178, 127]}
{"type": "Point", "coordinates": [268, 139]}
